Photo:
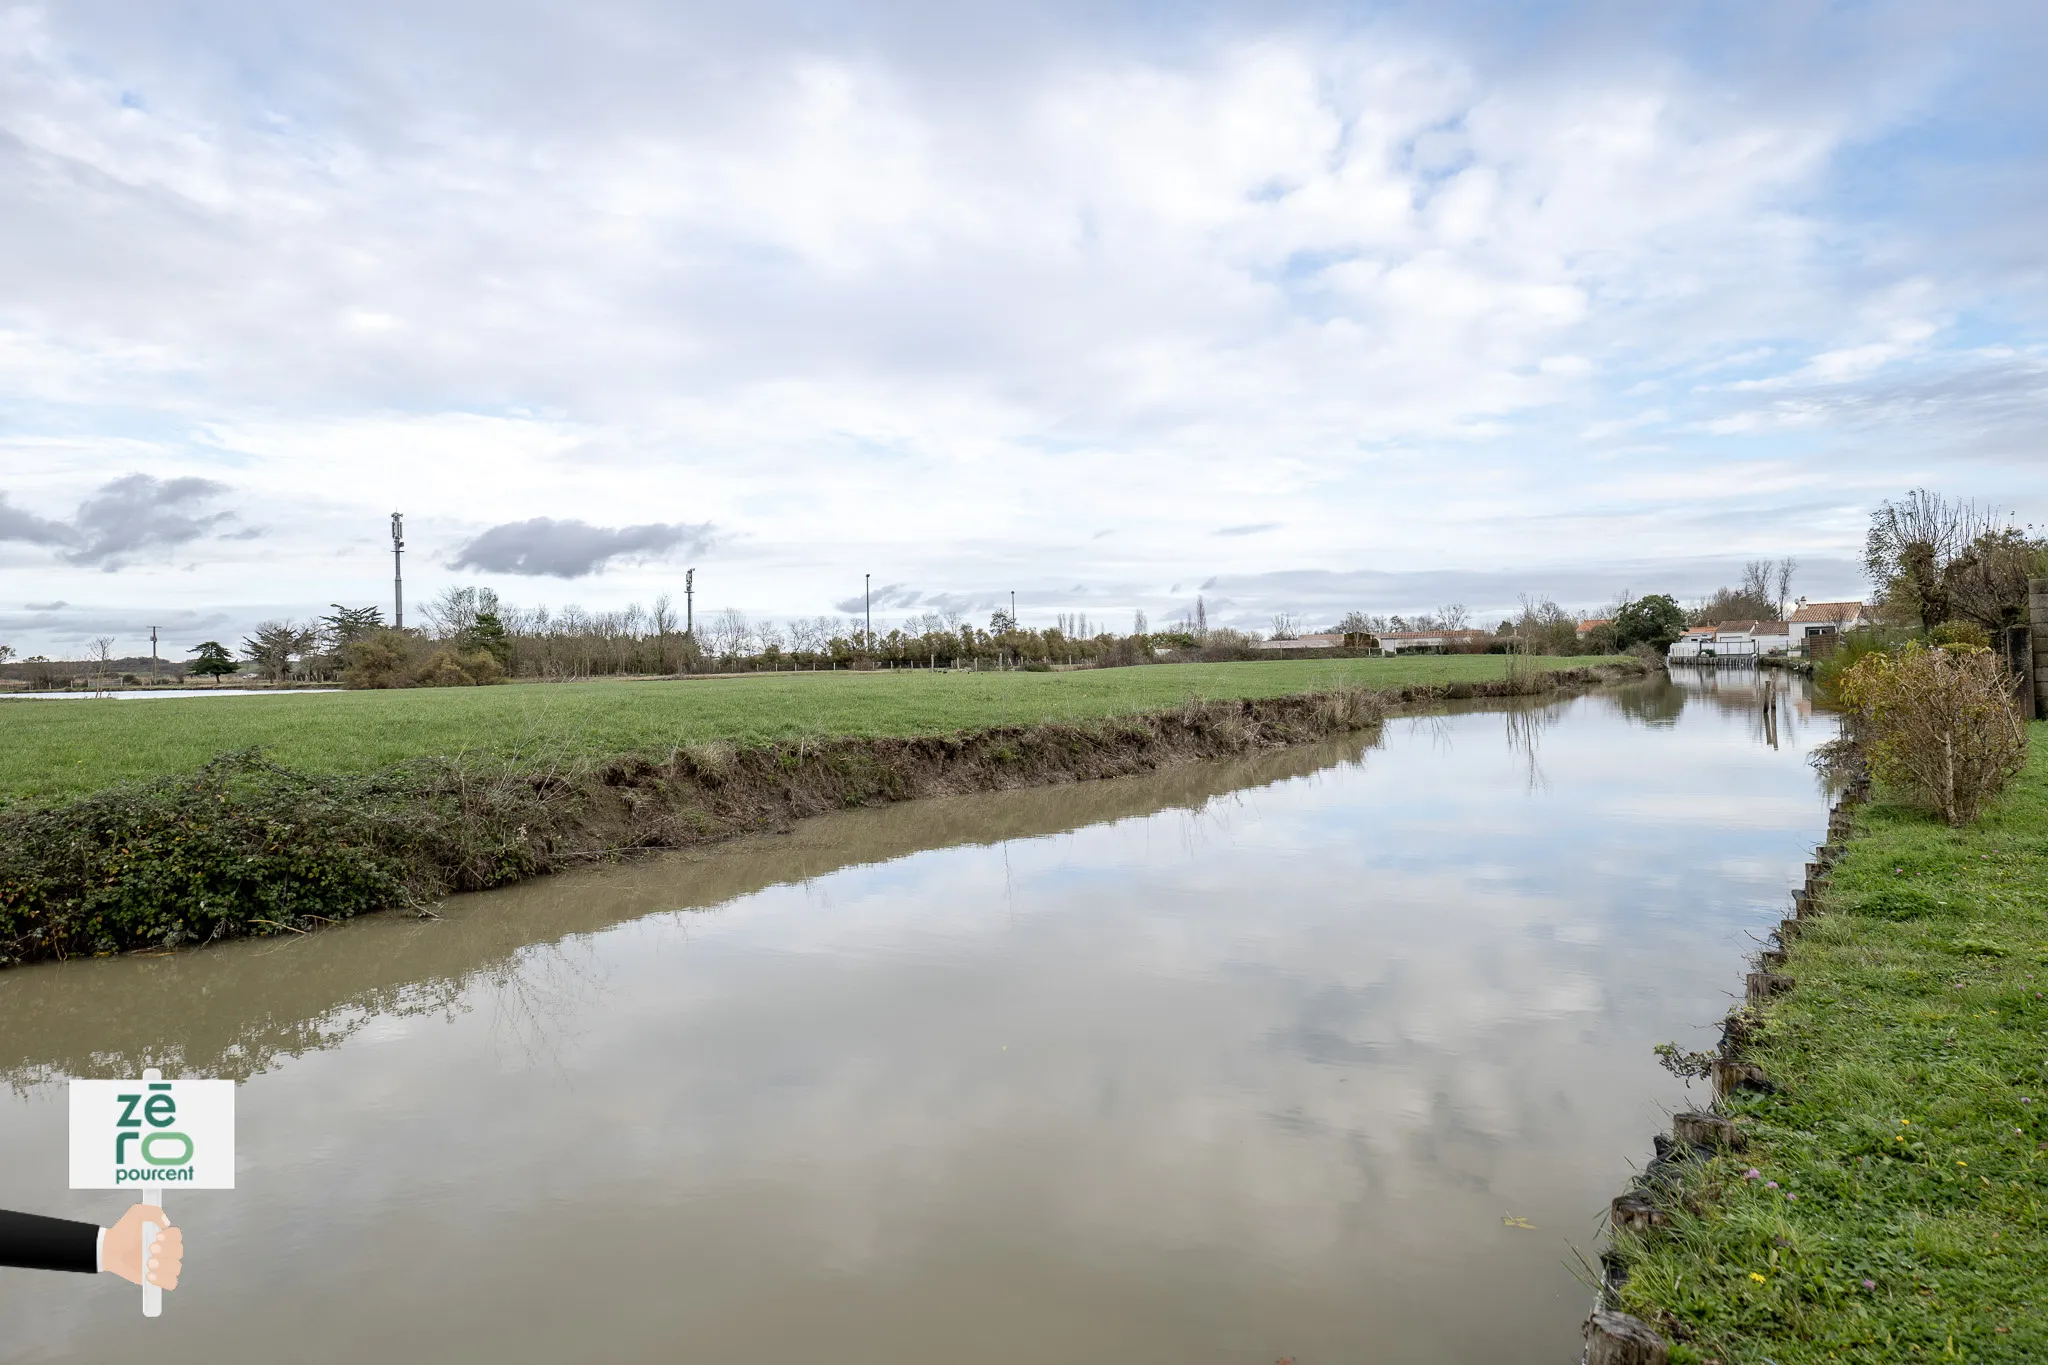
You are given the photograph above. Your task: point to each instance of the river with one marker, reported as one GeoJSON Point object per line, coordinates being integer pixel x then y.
{"type": "Point", "coordinates": [1335, 1054]}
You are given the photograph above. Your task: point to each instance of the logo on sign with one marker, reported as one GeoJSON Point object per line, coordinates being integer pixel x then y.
{"type": "Point", "coordinates": [152, 1132]}
{"type": "Point", "coordinates": [144, 1130]}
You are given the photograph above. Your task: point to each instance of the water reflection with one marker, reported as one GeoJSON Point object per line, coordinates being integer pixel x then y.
{"type": "Point", "coordinates": [1226, 1064]}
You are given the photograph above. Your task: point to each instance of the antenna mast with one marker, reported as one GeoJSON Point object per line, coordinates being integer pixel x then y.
{"type": "Point", "coordinates": [397, 571]}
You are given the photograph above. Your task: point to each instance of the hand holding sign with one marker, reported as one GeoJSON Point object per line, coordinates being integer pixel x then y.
{"type": "Point", "coordinates": [151, 1134]}
{"type": "Point", "coordinates": [122, 1255]}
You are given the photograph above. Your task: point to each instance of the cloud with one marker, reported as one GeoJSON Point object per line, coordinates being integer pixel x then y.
{"type": "Point", "coordinates": [122, 520]}
{"type": "Point", "coordinates": [1415, 286]}
{"type": "Point", "coordinates": [138, 513]}
{"type": "Point", "coordinates": [16, 524]}
{"type": "Point", "coordinates": [546, 547]}
{"type": "Point", "coordinates": [892, 597]}
{"type": "Point", "coordinates": [45, 606]}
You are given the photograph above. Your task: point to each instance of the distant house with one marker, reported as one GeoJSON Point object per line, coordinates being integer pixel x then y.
{"type": "Point", "coordinates": [1433, 641]}
{"type": "Point", "coordinates": [1330, 641]}
{"type": "Point", "coordinates": [1750, 639]}
{"type": "Point", "coordinates": [1824, 618]}
{"type": "Point", "coordinates": [1771, 637]}
{"type": "Point", "coordinates": [1697, 642]}
{"type": "Point", "coordinates": [1589, 626]}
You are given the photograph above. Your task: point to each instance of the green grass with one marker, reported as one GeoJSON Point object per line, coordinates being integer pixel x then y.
{"type": "Point", "coordinates": [51, 749]}
{"type": "Point", "coordinates": [1913, 1124]}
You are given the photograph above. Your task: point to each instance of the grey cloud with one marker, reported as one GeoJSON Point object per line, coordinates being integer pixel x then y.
{"type": "Point", "coordinates": [15, 524]}
{"type": "Point", "coordinates": [125, 517]}
{"type": "Point", "coordinates": [137, 513]}
{"type": "Point", "coordinates": [1250, 529]}
{"type": "Point", "coordinates": [573, 549]}
{"type": "Point", "coordinates": [893, 597]}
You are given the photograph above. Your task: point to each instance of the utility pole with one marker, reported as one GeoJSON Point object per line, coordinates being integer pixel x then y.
{"type": "Point", "coordinates": [690, 604]}
{"type": "Point", "coordinates": [867, 592]}
{"type": "Point", "coordinates": [1013, 609]}
{"type": "Point", "coordinates": [152, 653]}
{"type": "Point", "coordinates": [397, 571]}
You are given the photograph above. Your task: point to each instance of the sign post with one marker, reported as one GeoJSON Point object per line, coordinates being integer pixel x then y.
{"type": "Point", "coordinates": [148, 1136]}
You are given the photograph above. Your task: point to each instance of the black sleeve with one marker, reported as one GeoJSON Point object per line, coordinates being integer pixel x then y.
{"type": "Point", "coordinates": [33, 1242]}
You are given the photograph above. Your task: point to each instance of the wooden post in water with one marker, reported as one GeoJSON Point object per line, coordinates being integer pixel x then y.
{"type": "Point", "coordinates": [1618, 1339]}
{"type": "Point", "coordinates": [2037, 613]}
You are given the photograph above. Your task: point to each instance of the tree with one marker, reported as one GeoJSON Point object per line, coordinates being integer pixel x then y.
{"type": "Point", "coordinates": [1286, 625]}
{"type": "Point", "coordinates": [101, 654]}
{"type": "Point", "coordinates": [214, 659]}
{"type": "Point", "coordinates": [1000, 623]}
{"type": "Point", "coordinates": [663, 618]}
{"type": "Point", "coordinates": [1758, 599]}
{"type": "Point", "coordinates": [1909, 545]}
{"type": "Point", "coordinates": [1545, 628]}
{"type": "Point", "coordinates": [1655, 620]}
{"type": "Point", "coordinates": [1986, 582]}
{"type": "Point", "coordinates": [1454, 616]}
{"type": "Point", "coordinates": [275, 645]}
{"type": "Point", "coordinates": [487, 634]}
{"type": "Point", "coordinates": [350, 624]}
{"type": "Point", "coordinates": [455, 610]}
{"type": "Point", "coordinates": [6, 653]}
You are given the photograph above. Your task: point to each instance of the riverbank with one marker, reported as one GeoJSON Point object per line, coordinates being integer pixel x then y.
{"type": "Point", "coordinates": [56, 752]}
{"type": "Point", "coordinates": [247, 845]}
{"type": "Point", "coordinates": [1886, 1200]}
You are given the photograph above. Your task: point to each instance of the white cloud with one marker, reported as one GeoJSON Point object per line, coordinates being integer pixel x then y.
{"type": "Point", "coordinates": [864, 307]}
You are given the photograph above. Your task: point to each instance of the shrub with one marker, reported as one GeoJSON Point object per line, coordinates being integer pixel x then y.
{"type": "Point", "coordinates": [448, 669]}
{"type": "Point", "coordinates": [381, 660]}
{"type": "Point", "coordinates": [1968, 634]}
{"type": "Point", "coordinates": [1939, 725]}
{"type": "Point", "coordinates": [1852, 648]}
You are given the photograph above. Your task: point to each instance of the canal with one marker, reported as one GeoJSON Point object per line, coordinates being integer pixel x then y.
{"type": "Point", "coordinates": [1335, 1054]}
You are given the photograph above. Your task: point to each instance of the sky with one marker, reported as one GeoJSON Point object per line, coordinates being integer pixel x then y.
{"type": "Point", "coordinates": [1302, 308]}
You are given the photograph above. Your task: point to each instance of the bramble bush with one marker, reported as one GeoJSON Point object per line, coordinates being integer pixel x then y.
{"type": "Point", "coordinates": [1939, 725]}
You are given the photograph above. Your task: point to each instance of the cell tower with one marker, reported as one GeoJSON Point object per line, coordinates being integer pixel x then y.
{"type": "Point", "coordinates": [397, 570]}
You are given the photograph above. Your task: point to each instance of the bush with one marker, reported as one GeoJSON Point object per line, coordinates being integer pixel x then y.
{"type": "Point", "coordinates": [1939, 725]}
{"type": "Point", "coordinates": [1853, 648]}
{"type": "Point", "coordinates": [448, 669]}
{"type": "Point", "coordinates": [1968, 634]}
{"type": "Point", "coordinates": [381, 660]}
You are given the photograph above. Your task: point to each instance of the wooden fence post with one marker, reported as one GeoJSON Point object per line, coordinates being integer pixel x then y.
{"type": "Point", "coordinates": [2037, 613]}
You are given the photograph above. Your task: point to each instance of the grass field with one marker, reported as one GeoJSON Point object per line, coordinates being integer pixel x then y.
{"type": "Point", "coordinates": [61, 748]}
{"type": "Point", "coordinates": [1897, 1208]}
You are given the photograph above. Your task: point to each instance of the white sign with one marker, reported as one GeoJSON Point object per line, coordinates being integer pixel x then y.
{"type": "Point", "coordinates": [137, 1134]}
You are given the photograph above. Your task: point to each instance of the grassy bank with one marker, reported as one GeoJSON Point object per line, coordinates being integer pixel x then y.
{"type": "Point", "coordinates": [52, 749]}
{"type": "Point", "coordinates": [1899, 1209]}
{"type": "Point", "coordinates": [248, 845]}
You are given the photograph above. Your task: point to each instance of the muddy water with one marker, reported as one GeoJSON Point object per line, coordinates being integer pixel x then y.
{"type": "Point", "coordinates": [1228, 1064]}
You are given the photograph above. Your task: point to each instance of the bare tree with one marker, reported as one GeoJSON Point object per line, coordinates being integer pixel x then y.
{"type": "Point", "coordinates": [1781, 583]}
{"type": "Point", "coordinates": [663, 619]}
{"type": "Point", "coordinates": [1286, 625]}
{"type": "Point", "coordinates": [729, 633]}
{"type": "Point", "coordinates": [1454, 616]}
{"type": "Point", "coordinates": [1910, 545]}
{"type": "Point", "coordinates": [101, 652]}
